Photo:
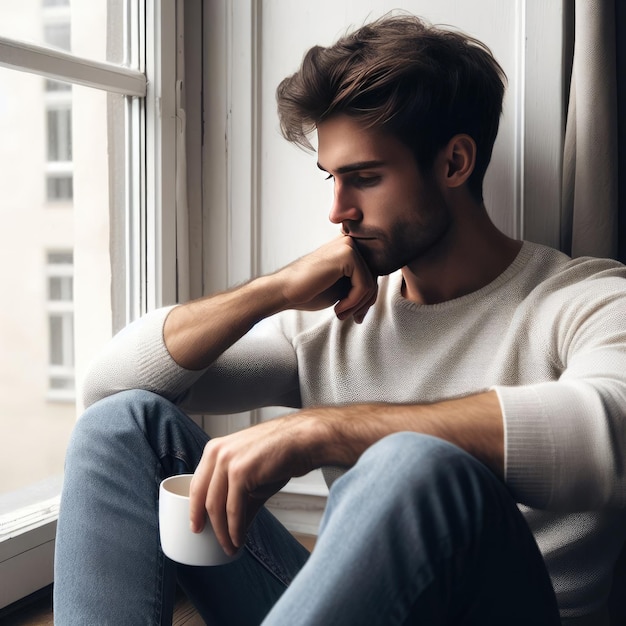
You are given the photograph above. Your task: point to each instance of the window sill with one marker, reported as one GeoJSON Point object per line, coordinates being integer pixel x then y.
{"type": "Point", "coordinates": [28, 520]}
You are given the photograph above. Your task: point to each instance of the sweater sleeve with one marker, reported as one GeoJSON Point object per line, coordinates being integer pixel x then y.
{"type": "Point", "coordinates": [565, 439]}
{"type": "Point", "coordinates": [259, 370]}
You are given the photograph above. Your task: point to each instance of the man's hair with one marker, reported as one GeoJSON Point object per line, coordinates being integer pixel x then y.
{"type": "Point", "coordinates": [421, 83]}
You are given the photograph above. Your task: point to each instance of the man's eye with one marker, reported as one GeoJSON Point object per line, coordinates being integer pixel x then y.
{"type": "Point", "coordinates": [365, 181]}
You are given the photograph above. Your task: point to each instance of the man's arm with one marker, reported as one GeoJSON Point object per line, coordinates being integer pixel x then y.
{"type": "Point", "coordinates": [197, 333]}
{"type": "Point", "coordinates": [167, 350]}
{"type": "Point", "coordinates": [238, 473]}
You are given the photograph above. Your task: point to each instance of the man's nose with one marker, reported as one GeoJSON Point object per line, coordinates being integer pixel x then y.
{"type": "Point", "coordinates": [344, 208]}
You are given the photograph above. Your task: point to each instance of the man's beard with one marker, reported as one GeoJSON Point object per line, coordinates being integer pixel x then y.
{"type": "Point", "coordinates": [405, 243]}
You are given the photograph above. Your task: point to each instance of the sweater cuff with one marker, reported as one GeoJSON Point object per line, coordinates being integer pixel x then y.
{"type": "Point", "coordinates": [529, 447]}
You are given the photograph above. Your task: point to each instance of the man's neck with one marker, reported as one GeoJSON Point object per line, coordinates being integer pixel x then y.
{"type": "Point", "coordinates": [473, 254]}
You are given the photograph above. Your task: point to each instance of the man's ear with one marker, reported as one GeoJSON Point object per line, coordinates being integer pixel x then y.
{"type": "Point", "coordinates": [458, 160]}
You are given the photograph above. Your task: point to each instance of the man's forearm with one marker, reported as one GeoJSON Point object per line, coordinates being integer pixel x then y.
{"type": "Point", "coordinates": [474, 423]}
{"type": "Point", "coordinates": [196, 333]}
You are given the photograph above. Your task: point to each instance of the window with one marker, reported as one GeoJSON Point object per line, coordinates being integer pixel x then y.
{"type": "Point", "coordinates": [84, 239]}
{"type": "Point", "coordinates": [59, 132]}
{"type": "Point", "coordinates": [58, 99]}
{"type": "Point", "coordinates": [59, 169]}
{"type": "Point", "coordinates": [60, 278]}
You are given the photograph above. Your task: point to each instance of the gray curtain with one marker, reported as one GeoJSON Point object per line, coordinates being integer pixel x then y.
{"type": "Point", "coordinates": [590, 215]}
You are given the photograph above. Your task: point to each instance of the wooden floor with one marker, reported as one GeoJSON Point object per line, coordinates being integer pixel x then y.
{"type": "Point", "coordinates": [36, 610]}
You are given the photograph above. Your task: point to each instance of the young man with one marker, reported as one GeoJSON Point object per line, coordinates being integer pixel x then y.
{"type": "Point", "coordinates": [463, 391]}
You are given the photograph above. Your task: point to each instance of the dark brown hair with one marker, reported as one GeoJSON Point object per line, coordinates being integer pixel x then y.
{"type": "Point", "coordinates": [421, 83]}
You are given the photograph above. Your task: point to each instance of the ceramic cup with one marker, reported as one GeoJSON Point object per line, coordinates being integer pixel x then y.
{"type": "Point", "coordinates": [177, 540]}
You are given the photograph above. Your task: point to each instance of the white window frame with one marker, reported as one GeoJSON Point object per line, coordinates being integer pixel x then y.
{"type": "Point", "coordinates": [27, 535]}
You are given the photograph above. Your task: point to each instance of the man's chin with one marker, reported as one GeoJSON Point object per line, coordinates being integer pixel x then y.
{"type": "Point", "coordinates": [381, 267]}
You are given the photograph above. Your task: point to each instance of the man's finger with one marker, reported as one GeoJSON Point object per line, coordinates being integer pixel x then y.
{"type": "Point", "coordinates": [198, 490]}
{"type": "Point", "coordinates": [215, 505]}
{"type": "Point", "coordinates": [360, 297]}
{"type": "Point", "coordinates": [236, 512]}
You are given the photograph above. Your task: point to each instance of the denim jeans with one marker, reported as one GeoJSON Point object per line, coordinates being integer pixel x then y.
{"type": "Point", "coordinates": [417, 531]}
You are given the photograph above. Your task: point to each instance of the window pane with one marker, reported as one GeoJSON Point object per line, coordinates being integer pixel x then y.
{"type": "Point", "coordinates": [64, 259]}
{"type": "Point", "coordinates": [56, 85]}
{"type": "Point", "coordinates": [59, 188]}
{"type": "Point", "coordinates": [54, 261]}
{"type": "Point", "coordinates": [88, 28]}
{"type": "Point", "coordinates": [61, 288]}
{"type": "Point", "coordinates": [59, 134]}
{"type": "Point", "coordinates": [56, 340]}
{"type": "Point", "coordinates": [58, 34]}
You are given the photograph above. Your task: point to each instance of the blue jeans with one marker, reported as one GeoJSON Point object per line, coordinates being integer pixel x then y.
{"type": "Point", "coordinates": [416, 532]}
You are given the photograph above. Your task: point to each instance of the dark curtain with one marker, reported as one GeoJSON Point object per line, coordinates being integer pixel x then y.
{"type": "Point", "coordinates": [617, 603]}
{"type": "Point", "coordinates": [620, 41]}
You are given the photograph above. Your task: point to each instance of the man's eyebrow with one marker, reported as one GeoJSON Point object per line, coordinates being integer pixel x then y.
{"type": "Point", "coordinates": [354, 167]}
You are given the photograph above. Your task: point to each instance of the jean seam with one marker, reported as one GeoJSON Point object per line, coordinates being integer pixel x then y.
{"type": "Point", "coordinates": [268, 562]}
{"type": "Point", "coordinates": [160, 578]}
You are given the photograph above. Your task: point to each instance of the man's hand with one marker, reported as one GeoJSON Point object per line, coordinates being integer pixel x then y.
{"type": "Point", "coordinates": [334, 273]}
{"type": "Point", "coordinates": [239, 472]}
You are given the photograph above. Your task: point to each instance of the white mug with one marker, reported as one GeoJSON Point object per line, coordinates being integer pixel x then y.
{"type": "Point", "coordinates": [178, 542]}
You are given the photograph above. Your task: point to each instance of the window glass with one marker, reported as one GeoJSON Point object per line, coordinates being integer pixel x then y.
{"type": "Point", "coordinates": [59, 133]}
{"type": "Point", "coordinates": [67, 203]}
{"type": "Point", "coordinates": [60, 279]}
{"type": "Point", "coordinates": [56, 211]}
{"type": "Point", "coordinates": [57, 34]}
{"type": "Point", "coordinates": [75, 26]}
{"type": "Point", "coordinates": [59, 187]}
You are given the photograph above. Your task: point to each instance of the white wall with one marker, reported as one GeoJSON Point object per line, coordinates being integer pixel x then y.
{"type": "Point", "coordinates": [266, 195]}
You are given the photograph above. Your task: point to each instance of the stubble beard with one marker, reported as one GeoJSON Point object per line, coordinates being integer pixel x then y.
{"type": "Point", "coordinates": [404, 244]}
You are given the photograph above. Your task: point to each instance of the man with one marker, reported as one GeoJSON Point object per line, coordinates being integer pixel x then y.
{"type": "Point", "coordinates": [440, 372]}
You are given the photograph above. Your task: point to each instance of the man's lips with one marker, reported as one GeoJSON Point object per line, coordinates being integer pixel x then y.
{"type": "Point", "coordinates": [359, 237]}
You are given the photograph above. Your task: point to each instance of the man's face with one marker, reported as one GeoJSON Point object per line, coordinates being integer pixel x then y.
{"type": "Point", "coordinates": [394, 213]}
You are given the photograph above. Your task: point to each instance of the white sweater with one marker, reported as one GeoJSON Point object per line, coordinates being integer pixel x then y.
{"type": "Point", "coordinates": [549, 335]}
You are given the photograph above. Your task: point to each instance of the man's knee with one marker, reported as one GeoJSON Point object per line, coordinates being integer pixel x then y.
{"type": "Point", "coordinates": [121, 406]}
{"type": "Point", "coordinates": [122, 401]}
{"type": "Point", "coordinates": [113, 417]}
{"type": "Point", "coordinates": [416, 455]}
{"type": "Point", "coordinates": [420, 471]}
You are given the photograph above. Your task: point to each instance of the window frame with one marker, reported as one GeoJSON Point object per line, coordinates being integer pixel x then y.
{"type": "Point", "coordinates": [149, 276]}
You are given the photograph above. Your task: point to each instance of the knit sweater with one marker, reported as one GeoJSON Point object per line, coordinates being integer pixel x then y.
{"type": "Point", "coordinates": [548, 335]}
